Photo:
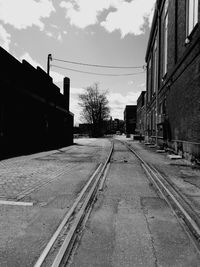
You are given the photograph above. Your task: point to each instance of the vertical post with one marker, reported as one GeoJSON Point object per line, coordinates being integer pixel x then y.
{"type": "Point", "coordinates": [66, 89]}
{"type": "Point", "coordinates": [49, 58]}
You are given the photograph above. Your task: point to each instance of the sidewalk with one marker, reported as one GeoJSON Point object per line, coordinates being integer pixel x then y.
{"type": "Point", "coordinates": [21, 175]}
{"type": "Point", "coordinates": [181, 172]}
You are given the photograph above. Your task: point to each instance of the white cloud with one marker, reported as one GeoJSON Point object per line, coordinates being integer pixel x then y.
{"type": "Point", "coordinates": [54, 26]}
{"type": "Point", "coordinates": [129, 17]}
{"type": "Point", "coordinates": [57, 77]}
{"type": "Point", "coordinates": [25, 13]}
{"type": "Point", "coordinates": [50, 34]}
{"type": "Point", "coordinates": [74, 106]}
{"type": "Point", "coordinates": [130, 82]}
{"type": "Point", "coordinates": [142, 86]}
{"type": "Point", "coordinates": [60, 37]}
{"type": "Point", "coordinates": [76, 91]}
{"type": "Point", "coordinates": [28, 58]}
{"type": "Point", "coordinates": [4, 38]}
{"type": "Point", "coordinates": [57, 36]}
{"type": "Point", "coordinates": [83, 13]}
{"type": "Point", "coordinates": [117, 102]}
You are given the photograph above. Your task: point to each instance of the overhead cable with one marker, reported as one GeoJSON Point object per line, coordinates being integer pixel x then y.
{"type": "Point", "coordinates": [99, 66]}
{"type": "Point", "coordinates": [101, 74]}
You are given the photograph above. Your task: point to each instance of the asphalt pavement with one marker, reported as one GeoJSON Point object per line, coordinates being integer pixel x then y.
{"type": "Point", "coordinates": [36, 191]}
{"type": "Point", "coordinates": [130, 225]}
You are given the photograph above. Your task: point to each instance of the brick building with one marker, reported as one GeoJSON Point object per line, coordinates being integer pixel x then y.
{"type": "Point", "coordinates": [115, 125]}
{"type": "Point", "coordinates": [34, 115]}
{"type": "Point", "coordinates": [130, 118]}
{"type": "Point", "coordinates": [173, 76]}
{"type": "Point", "coordinates": [141, 113]}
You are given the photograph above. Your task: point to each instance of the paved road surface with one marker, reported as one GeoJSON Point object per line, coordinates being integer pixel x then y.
{"type": "Point", "coordinates": [131, 225]}
{"type": "Point", "coordinates": [49, 180]}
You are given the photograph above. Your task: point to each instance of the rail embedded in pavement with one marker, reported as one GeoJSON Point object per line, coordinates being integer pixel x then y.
{"type": "Point", "coordinates": [182, 209]}
{"type": "Point", "coordinates": [66, 233]}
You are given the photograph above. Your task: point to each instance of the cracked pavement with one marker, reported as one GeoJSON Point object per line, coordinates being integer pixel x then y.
{"type": "Point", "coordinates": [51, 181]}
{"type": "Point", "coordinates": [131, 225]}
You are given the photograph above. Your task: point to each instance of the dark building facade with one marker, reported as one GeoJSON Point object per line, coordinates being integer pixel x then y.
{"type": "Point", "coordinates": [173, 77]}
{"type": "Point", "coordinates": [141, 114]}
{"type": "Point", "coordinates": [130, 118]}
{"type": "Point", "coordinates": [34, 115]}
{"type": "Point", "coordinates": [85, 129]}
{"type": "Point", "coordinates": [113, 126]}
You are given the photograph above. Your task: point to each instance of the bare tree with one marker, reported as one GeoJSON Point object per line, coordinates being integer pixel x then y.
{"type": "Point", "coordinates": [95, 108]}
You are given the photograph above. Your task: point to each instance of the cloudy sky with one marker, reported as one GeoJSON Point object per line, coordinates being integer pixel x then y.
{"type": "Point", "coordinates": [99, 32]}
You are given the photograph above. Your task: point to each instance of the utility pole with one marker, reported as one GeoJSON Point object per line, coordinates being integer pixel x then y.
{"type": "Point", "coordinates": [49, 58]}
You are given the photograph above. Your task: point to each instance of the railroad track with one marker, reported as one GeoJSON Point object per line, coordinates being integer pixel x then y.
{"type": "Point", "coordinates": [179, 204]}
{"type": "Point", "coordinates": [58, 250]}
{"type": "Point", "coordinates": [60, 247]}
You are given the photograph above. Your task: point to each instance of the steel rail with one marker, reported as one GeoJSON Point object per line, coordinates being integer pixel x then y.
{"type": "Point", "coordinates": [94, 179]}
{"type": "Point", "coordinates": [190, 218]}
{"type": "Point", "coordinates": [64, 221]}
{"type": "Point", "coordinates": [81, 214]}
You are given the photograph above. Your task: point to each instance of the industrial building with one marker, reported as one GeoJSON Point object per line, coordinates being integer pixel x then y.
{"type": "Point", "coordinates": [34, 115]}
{"type": "Point", "coordinates": [173, 77]}
{"type": "Point", "coordinates": [130, 118]}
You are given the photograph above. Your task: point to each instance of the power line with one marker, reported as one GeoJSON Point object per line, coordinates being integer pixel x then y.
{"type": "Point", "coordinates": [99, 66]}
{"type": "Point", "coordinates": [94, 73]}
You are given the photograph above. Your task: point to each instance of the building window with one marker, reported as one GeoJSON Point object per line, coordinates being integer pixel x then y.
{"type": "Point", "coordinates": [149, 80]}
{"type": "Point", "coordinates": [155, 67]}
{"type": "Point", "coordinates": [191, 15]}
{"type": "Point", "coordinates": [165, 37]}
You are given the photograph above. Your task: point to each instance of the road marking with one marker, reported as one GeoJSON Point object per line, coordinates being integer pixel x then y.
{"type": "Point", "coordinates": [15, 203]}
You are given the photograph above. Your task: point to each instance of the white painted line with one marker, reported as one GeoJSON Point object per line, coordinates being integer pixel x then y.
{"type": "Point", "coordinates": [174, 156]}
{"type": "Point", "coordinates": [160, 151]}
{"type": "Point", "coordinates": [15, 203]}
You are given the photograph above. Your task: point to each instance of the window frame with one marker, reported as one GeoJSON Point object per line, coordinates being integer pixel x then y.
{"type": "Point", "coordinates": [192, 7]}
{"type": "Point", "coordinates": [149, 77]}
{"type": "Point", "coordinates": [165, 40]}
{"type": "Point", "coordinates": [155, 66]}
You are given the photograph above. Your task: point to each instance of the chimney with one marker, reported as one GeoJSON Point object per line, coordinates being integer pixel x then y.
{"type": "Point", "coordinates": [66, 88]}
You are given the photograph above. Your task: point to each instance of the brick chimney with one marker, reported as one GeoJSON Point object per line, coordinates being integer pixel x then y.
{"type": "Point", "coordinates": [66, 89]}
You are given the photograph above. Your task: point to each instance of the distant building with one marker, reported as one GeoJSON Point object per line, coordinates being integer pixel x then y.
{"type": "Point", "coordinates": [112, 126]}
{"type": "Point", "coordinates": [130, 118]}
{"type": "Point", "coordinates": [85, 128]}
{"type": "Point", "coordinates": [141, 113]}
{"type": "Point", "coordinates": [173, 77]}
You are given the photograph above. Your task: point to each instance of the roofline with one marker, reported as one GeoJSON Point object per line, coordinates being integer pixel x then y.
{"type": "Point", "coordinates": [157, 6]}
